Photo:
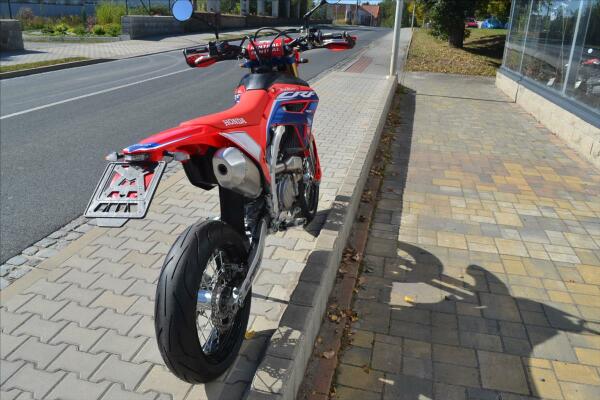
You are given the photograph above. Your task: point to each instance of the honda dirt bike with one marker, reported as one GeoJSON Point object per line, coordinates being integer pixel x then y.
{"type": "Point", "coordinates": [262, 156]}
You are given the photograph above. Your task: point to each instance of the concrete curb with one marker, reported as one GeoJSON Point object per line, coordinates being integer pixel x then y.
{"type": "Point", "coordinates": [281, 371]}
{"type": "Point", "coordinates": [55, 67]}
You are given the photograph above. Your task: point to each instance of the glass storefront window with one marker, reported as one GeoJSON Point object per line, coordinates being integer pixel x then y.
{"type": "Point", "coordinates": [556, 44]}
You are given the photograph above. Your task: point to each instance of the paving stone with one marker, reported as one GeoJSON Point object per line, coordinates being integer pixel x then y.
{"type": "Point", "coordinates": [481, 341]}
{"type": "Point", "coordinates": [41, 306]}
{"type": "Point", "coordinates": [81, 363]}
{"type": "Point", "coordinates": [83, 338]}
{"type": "Point", "coordinates": [577, 391]}
{"type": "Point", "coordinates": [115, 392]}
{"type": "Point", "coordinates": [46, 289]}
{"type": "Point", "coordinates": [550, 344]}
{"type": "Point", "coordinates": [8, 369]}
{"type": "Point", "coordinates": [115, 370]}
{"type": "Point", "coordinates": [112, 284]}
{"type": "Point", "coordinates": [41, 328]}
{"type": "Point", "coordinates": [387, 357]}
{"type": "Point", "coordinates": [76, 313]}
{"type": "Point", "coordinates": [454, 355]}
{"type": "Point", "coordinates": [33, 380]}
{"type": "Point", "coordinates": [10, 320]}
{"type": "Point", "coordinates": [572, 372]}
{"type": "Point", "coordinates": [111, 320]}
{"type": "Point", "coordinates": [73, 388]}
{"type": "Point", "coordinates": [403, 387]}
{"type": "Point", "coordinates": [113, 301]}
{"type": "Point", "coordinates": [81, 296]}
{"type": "Point", "coordinates": [449, 392]}
{"type": "Point", "coordinates": [456, 375]}
{"type": "Point", "coordinates": [502, 372]}
{"type": "Point", "coordinates": [9, 343]}
{"type": "Point", "coordinates": [123, 346]}
{"type": "Point", "coordinates": [357, 378]}
{"type": "Point", "coordinates": [346, 393]}
{"type": "Point", "coordinates": [36, 352]}
{"type": "Point", "coordinates": [160, 380]}
{"type": "Point", "coordinates": [149, 352]}
{"type": "Point", "coordinates": [544, 383]}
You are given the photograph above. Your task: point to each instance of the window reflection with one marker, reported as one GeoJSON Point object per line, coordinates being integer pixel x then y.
{"type": "Point", "coordinates": [556, 43]}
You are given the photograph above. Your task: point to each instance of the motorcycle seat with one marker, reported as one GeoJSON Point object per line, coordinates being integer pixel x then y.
{"type": "Point", "coordinates": [247, 112]}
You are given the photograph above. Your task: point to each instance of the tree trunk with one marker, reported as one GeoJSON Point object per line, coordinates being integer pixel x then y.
{"type": "Point", "coordinates": [456, 36]}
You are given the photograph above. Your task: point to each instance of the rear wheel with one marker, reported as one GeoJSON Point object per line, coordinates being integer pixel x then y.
{"type": "Point", "coordinates": [199, 325]}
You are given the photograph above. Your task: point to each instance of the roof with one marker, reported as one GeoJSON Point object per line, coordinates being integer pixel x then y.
{"type": "Point", "coordinates": [371, 9]}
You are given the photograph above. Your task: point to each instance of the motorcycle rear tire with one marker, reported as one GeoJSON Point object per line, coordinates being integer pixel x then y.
{"type": "Point", "coordinates": [176, 303]}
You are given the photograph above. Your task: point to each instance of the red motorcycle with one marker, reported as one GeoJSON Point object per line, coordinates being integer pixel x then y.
{"type": "Point", "coordinates": [262, 156]}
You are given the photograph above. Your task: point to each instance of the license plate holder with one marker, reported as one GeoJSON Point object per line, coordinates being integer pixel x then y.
{"type": "Point", "coordinates": [124, 192]}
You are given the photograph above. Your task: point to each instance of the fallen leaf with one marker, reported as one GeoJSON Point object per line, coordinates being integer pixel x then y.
{"type": "Point", "coordinates": [328, 354]}
{"type": "Point", "coordinates": [333, 318]}
{"type": "Point", "coordinates": [319, 339]}
{"type": "Point", "coordinates": [249, 335]}
{"type": "Point", "coordinates": [409, 299]}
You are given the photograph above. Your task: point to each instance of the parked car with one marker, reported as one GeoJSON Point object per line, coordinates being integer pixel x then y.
{"type": "Point", "coordinates": [492, 23]}
{"type": "Point", "coordinates": [471, 23]}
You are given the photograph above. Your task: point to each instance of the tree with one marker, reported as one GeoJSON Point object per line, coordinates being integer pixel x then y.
{"type": "Point", "coordinates": [448, 16]}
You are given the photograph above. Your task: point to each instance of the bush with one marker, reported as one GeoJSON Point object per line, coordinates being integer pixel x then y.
{"type": "Point", "coordinates": [99, 30]}
{"type": "Point", "coordinates": [79, 30]}
{"type": "Point", "coordinates": [109, 13]}
{"type": "Point", "coordinates": [61, 29]}
{"type": "Point", "coordinates": [113, 29]}
{"type": "Point", "coordinates": [48, 29]}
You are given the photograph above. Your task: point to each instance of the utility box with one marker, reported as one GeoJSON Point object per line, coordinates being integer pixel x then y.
{"type": "Point", "coordinates": [11, 37]}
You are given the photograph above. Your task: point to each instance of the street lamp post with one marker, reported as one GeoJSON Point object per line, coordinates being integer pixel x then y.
{"type": "Point", "coordinates": [396, 42]}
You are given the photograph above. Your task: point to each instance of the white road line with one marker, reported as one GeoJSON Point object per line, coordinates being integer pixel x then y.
{"type": "Point", "coordinates": [112, 89]}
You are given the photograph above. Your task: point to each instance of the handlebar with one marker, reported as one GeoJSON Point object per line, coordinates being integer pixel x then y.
{"type": "Point", "coordinates": [205, 55]}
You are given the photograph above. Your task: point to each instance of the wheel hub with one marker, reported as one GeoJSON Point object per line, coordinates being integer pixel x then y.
{"type": "Point", "coordinates": [224, 307]}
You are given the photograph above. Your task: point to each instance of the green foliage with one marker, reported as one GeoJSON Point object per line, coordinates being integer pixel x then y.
{"type": "Point", "coordinates": [79, 30]}
{"type": "Point", "coordinates": [113, 29]}
{"type": "Point", "coordinates": [61, 29]}
{"type": "Point", "coordinates": [497, 8]}
{"type": "Point", "coordinates": [109, 13]}
{"type": "Point", "coordinates": [48, 29]}
{"type": "Point", "coordinates": [98, 30]}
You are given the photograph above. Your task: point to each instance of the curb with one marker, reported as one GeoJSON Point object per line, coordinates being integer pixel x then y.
{"type": "Point", "coordinates": [55, 67]}
{"type": "Point", "coordinates": [290, 348]}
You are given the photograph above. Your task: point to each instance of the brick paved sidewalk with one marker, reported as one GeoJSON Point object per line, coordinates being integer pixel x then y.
{"type": "Point", "coordinates": [80, 325]}
{"type": "Point", "coordinates": [482, 268]}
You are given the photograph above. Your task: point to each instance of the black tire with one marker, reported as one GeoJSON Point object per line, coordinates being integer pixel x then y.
{"type": "Point", "coordinates": [309, 206]}
{"type": "Point", "coordinates": [175, 311]}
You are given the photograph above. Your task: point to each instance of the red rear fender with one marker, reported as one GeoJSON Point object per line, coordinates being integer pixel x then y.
{"type": "Point", "coordinates": [186, 139]}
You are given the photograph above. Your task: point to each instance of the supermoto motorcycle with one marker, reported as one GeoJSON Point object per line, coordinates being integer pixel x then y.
{"type": "Point", "coordinates": [262, 156]}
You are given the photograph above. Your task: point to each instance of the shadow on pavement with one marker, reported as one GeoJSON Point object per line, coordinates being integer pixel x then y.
{"type": "Point", "coordinates": [446, 331]}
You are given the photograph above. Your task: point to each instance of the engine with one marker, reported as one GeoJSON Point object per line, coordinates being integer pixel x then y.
{"type": "Point", "coordinates": [289, 171]}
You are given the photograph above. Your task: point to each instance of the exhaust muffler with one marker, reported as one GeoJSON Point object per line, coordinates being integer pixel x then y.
{"type": "Point", "coordinates": [236, 171]}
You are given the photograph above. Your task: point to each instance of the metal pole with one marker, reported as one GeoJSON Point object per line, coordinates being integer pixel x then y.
{"type": "Point", "coordinates": [412, 22]}
{"type": "Point", "coordinates": [396, 42]}
{"type": "Point", "coordinates": [566, 77]}
{"type": "Point", "coordinates": [9, 10]}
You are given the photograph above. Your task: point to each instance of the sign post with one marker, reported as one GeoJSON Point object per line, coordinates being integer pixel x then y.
{"type": "Point", "coordinates": [396, 42]}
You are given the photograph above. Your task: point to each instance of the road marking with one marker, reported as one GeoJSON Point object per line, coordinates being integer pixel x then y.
{"type": "Point", "coordinates": [112, 89]}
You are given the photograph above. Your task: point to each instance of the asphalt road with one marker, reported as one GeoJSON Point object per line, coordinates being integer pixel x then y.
{"type": "Point", "coordinates": [56, 128]}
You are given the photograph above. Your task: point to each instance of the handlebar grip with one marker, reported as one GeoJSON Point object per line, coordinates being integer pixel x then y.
{"type": "Point", "coordinates": [196, 50]}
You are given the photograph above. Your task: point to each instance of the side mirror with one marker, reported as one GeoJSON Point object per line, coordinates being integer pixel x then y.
{"type": "Point", "coordinates": [182, 10]}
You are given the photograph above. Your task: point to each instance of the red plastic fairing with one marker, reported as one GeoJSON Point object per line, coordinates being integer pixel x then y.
{"type": "Point", "coordinates": [200, 60]}
{"type": "Point", "coordinates": [263, 48]}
